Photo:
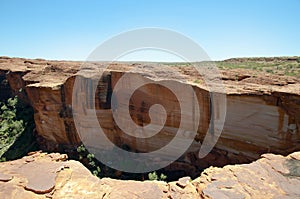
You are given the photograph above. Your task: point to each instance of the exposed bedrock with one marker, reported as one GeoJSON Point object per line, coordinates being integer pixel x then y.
{"type": "Point", "coordinates": [256, 122]}
{"type": "Point", "coordinates": [41, 175]}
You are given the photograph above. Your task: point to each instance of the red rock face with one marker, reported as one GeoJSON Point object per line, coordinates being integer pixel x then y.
{"type": "Point", "coordinates": [260, 124]}
{"type": "Point", "coordinates": [256, 122]}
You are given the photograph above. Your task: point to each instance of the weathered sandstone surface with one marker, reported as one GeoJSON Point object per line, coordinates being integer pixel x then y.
{"type": "Point", "coordinates": [42, 175]}
{"type": "Point", "coordinates": [263, 110]}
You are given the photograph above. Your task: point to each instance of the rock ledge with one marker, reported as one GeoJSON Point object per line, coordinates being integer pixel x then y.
{"type": "Point", "coordinates": [42, 175]}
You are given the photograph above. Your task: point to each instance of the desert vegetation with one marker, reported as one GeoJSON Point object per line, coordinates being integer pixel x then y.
{"type": "Point", "coordinates": [16, 129]}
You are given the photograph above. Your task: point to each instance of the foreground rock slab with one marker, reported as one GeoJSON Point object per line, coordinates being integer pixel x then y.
{"type": "Point", "coordinates": [42, 175]}
{"type": "Point", "coordinates": [272, 176]}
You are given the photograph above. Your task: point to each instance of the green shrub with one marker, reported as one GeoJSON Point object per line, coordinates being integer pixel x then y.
{"type": "Point", "coordinates": [154, 176]}
{"type": "Point", "coordinates": [83, 155]}
{"type": "Point", "coordinates": [269, 71]}
{"type": "Point", "coordinates": [10, 126]}
{"type": "Point", "coordinates": [197, 81]}
{"type": "Point", "coordinates": [16, 126]}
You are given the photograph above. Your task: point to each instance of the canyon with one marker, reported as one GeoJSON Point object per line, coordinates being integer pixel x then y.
{"type": "Point", "coordinates": [262, 109]}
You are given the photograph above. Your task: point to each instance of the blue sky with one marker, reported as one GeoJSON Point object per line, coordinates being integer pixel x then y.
{"type": "Point", "coordinates": [71, 30]}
